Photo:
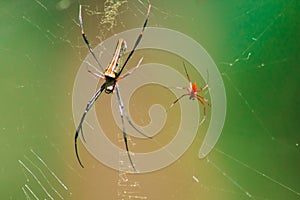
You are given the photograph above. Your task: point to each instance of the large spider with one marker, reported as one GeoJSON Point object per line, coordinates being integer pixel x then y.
{"type": "Point", "coordinates": [111, 76]}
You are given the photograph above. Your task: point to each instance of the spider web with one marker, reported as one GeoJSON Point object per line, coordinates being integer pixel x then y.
{"type": "Point", "coordinates": [254, 44]}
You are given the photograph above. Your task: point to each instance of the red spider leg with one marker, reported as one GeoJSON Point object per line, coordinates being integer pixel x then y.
{"type": "Point", "coordinates": [187, 75]}
{"type": "Point", "coordinates": [204, 88]}
{"type": "Point", "coordinates": [181, 88]}
{"type": "Point", "coordinates": [177, 101]}
{"type": "Point", "coordinates": [204, 109]}
{"type": "Point", "coordinates": [204, 99]}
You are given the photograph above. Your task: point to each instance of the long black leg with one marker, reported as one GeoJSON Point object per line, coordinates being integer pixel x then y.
{"type": "Point", "coordinates": [138, 39]}
{"type": "Point", "coordinates": [86, 39]}
{"type": "Point", "coordinates": [121, 108]}
{"type": "Point", "coordinates": [79, 128]}
{"type": "Point", "coordinates": [135, 128]}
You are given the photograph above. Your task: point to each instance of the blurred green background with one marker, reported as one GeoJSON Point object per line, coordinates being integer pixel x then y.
{"type": "Point", "coordinates": [255, 45]}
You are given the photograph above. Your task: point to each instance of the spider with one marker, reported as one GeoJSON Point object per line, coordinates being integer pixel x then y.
{"type": "Point", "coordinates": [193, 94]}
{"type": "Point", "coordinates": [111, 76]}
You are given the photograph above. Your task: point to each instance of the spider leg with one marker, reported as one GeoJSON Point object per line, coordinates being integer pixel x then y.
{"type": "Point", "coordinates": [79, 128]}
{"type": "Point", "coordinates": [97, 75]}
{"type": "Point", "coordinates": [204, 88]}
{"type": "Point", "coordinates": [135, 128]}
{"type": "Point", "coordinates": [187, 75]}
{"type": "Point", "coordinates": [185, 88]}
{"type": "Point", "coordinates": [121, 109]}
{"type": "Point", "coordinates": [176, 101]}
{"type": "Point", "coordinates": [204, 99]}
{"type": "Point", "coordinates": [204, 109]}
{"type": "Point", "coordinates": [86, 39]}
{"type": "Point", "coordinates": [129, 120]}
{"type": "Point", "coordinates": [179, 88]}
{"type": "Point", "coordinates": [138, 39]}
{"type": "Point", "coordinates": [132, 70]}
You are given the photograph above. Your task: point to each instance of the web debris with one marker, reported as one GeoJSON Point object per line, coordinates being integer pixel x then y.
{"type": "Point", "coordinates": [234, 182]}
{"type": "Point", "coordinates": [257, 171]}
{"type": "Point", "coordinates": [42, 5]}
{"type": "Point", "coordinates": [234, 66]}
{"type": "Point", "coordinates": [243, 58]}
{"type": "Point", "coordinates": [50, 35]}
{"type": "Point", "coordinates": [127, 188]}
{"type": "Point", "coordinates": [110, 16]}
{"type": "Point", "coordinates": [40, 171]}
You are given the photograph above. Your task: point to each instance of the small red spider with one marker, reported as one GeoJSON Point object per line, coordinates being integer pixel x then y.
{"type": "Point", "coordinates": [193, 94]}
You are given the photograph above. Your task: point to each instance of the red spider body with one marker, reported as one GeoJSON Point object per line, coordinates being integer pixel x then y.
{"type": "Point", "coordinates": [193, 91]}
